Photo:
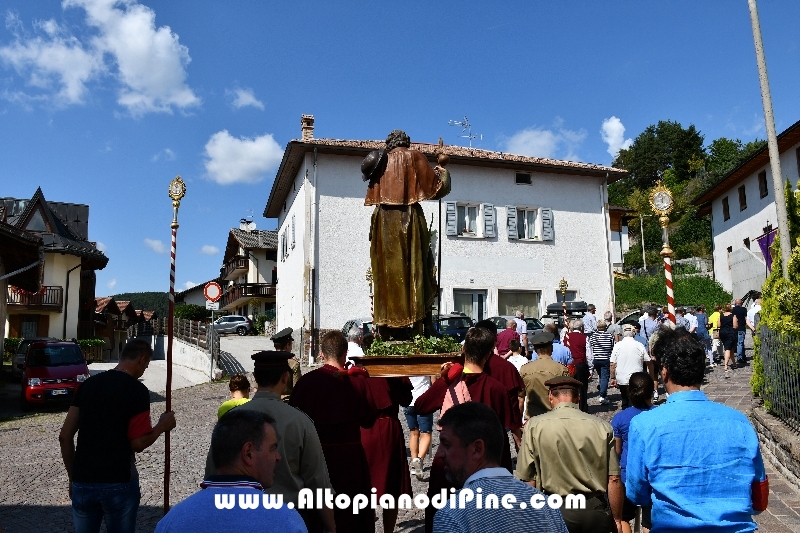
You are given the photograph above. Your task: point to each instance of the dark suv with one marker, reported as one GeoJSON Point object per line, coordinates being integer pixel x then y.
{"type": "Point", "coordinates": [455, 325]}
{"type": "Point", "coordinates": [53, 371]}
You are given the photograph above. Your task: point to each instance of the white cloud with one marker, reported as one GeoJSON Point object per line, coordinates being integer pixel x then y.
{"type": "Point", "coordinates": [243, 98]}
{"type": "Point", "coordinates": [120, 39]}
{"type": "Point", "coordinates": [209, 250]}
{"type": "Point", "coordinates": [100, 246]}
{"type": "Point", "coordinates": [156, 245]}
{"type": "Point", "coordinates": [112, 283]}
{"type": "Point", "coordinates": [557, 142]}
{"type": "Point", "coordinates": [613, 133]}
{"type": "Point", "coordinates": [190, 284]}
{"type": "Point", "coordinates": [51, 61]}
{"type": "Point", "coordinates": [243, 160]}
{"type": "Point", "coordinates": [166, 154]}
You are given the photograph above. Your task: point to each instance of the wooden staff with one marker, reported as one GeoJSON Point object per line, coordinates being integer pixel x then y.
{"type": "Point", "coordinates": [177, 189]}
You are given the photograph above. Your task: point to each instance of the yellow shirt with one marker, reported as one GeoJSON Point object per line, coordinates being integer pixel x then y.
{"type": "Point", "coordinates": [230, 404]}
{"type": "Point", "coordinates": [713, 319]}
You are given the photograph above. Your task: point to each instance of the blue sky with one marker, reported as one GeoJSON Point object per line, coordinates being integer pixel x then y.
{"type": "Point", "coordinates": [103, 102]}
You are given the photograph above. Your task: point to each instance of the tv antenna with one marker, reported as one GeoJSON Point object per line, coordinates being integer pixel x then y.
{"type": "Point", "coordinates": [466, 127]}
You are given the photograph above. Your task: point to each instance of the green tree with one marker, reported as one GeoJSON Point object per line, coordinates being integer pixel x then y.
{"type": "Point", "coordinates": [192, 312]}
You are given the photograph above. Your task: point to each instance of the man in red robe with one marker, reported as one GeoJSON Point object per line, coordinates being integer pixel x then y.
{"type": "Point", "coordinates": [483, 388]}
{"type": "Point", "coordinates": [339, 403]}
{"type": "Point", "coordinates": [385, 443]}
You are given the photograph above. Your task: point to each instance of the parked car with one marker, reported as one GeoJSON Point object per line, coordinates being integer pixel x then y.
{"type": "Point", "coordinates": [630, 318]}
{"type": "Point", "coordinates": [241, 325]}
{"type": "Point", "coordinates": [454, 325]}
{"type": "Point", "coordinates": [52, 372]}
{"type": "Point", "coordinates": [22, 350]}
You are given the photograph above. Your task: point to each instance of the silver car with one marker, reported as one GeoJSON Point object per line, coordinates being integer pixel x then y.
{"type": "Point", "coordinates": [238, 324]}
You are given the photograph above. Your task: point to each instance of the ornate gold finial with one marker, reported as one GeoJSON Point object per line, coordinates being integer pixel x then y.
{"type": "Point", "coordinates": [661, 201]}
{"type": "Point", "coordinates": [369, 275]}
{"type": "Point", "coordinates": [563, 286]}
{"type": "Point", "coordinates": [177, 190]}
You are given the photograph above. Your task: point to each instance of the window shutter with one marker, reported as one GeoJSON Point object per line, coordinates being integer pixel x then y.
{"type": "Point", "coordinates": [511, 220]}
{"type": "Point", "coordinates": [283, 254]}
{"type": "Point", "coordinates": [547, 224]}
{"type": "Point", "coordinates": [451, 227]}
{"type": "Point", "coordinates": [293, 231]}
{"type": "Point", "coordinates": [488, 220]}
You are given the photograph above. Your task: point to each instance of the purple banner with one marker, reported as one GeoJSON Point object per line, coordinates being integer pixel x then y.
{"type": "Point", "coordinates": [765, 242]}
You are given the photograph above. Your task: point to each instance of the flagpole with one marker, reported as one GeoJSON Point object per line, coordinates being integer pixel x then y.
{"type": "Point", "coordinates": [177, 189]}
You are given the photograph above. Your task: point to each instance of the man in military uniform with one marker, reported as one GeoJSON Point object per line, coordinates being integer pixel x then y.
{"type": "Point", "coordinates": [283, 343]}
{"type": "Point", "coordinates": [302, 464]}
{"type": "Point", "coordinates": [535, 373]}
{"type": "Point", "coordinates": [567, 451]}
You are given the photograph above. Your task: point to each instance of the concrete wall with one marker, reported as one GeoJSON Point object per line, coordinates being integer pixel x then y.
{"type": "Point", "coordinates": [55, 273]}
{"type": "Point", "coordinates": [750, 222]}
{"type": "Point", "coordinates": [293, 291]}
{"type": "Point", "coordinates": [748, 271]}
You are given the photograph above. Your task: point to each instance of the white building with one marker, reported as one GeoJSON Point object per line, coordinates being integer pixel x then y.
{"type": "Point", "coordinates": [742, 208]}
{"type": "Point", "coordinates": [514, 227]}
{"type": "Point", "coordinates": [249, 272]}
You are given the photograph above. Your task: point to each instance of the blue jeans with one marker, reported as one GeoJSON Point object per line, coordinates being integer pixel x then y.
{"type": "Point", "coordinates": [740, 347]}
{"type": "Point", "coordinates": [117, 503]}
{"type": "Point", "coordinates": [424, 423]}
{"type": "Point", "coordinates": [603, 367]}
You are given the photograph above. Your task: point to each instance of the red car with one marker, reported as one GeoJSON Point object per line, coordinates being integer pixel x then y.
{"type": "Point", "coordinates": [52, 372]}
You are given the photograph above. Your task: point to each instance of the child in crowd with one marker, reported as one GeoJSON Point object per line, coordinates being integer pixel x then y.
{"type": "Point", "coordinates": [516, 358]}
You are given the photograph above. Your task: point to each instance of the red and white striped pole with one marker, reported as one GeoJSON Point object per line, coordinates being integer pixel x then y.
{"type": "Point", "coordinates": [177, 189]}
{"type": "Point", "coordinates": [666, 253]}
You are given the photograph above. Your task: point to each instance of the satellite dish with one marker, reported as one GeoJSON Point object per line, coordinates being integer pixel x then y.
{"type": "Point", "coordinates": [247, 225]}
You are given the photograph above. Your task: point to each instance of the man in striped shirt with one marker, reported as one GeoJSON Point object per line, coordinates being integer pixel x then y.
{"type": "Point", "coordinates": [602, 343]}
{"type": "Point", "coordinates": [472, 442]}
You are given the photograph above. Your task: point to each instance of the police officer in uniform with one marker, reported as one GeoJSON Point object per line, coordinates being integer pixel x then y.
{"type": "Point", "coordinates": [302, 464]}
{"type": "Point", "coordinates": [535, 373]}
{"type": "Point", "coordinates": [283, 343]}
{"type": "Point", "coordinates": [566, 451]}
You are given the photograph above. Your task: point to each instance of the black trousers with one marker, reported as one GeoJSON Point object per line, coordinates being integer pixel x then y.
{"type": "Point", "coordinates": [623, 391]}
{"type": "Point", "coordinates": [582, 375]}
{"type": "Point", "coordinates": [596, 518]}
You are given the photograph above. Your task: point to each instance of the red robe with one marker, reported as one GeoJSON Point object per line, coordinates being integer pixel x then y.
{"type": "Point", "coordinates": [340, 406]}
{"type": "Point", "coordinates": [384, 443]}
{"type": "Point", "coordinates": [482, 388]}
{"type": "Point", "coordinates": [508, 376]}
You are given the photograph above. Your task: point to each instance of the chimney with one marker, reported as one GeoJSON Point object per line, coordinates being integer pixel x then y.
{"type": "Point", "coordinates": [307, 127]}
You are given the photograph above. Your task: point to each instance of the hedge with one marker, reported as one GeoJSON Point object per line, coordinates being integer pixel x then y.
{"type": "Point", "coordinates": [689, 290]}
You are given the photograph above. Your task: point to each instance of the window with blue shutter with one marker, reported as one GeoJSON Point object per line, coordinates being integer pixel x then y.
{"type": "Point", "coordinates": [511, 221]}
{"type": "Point", "coordinates": [293, 235]}
{"type": "Point", "coordinates": [547, 224]}
{"type": "Point", "coordinates": [488, 220]}
{"type": "Point", "coordinates": [451, 224]}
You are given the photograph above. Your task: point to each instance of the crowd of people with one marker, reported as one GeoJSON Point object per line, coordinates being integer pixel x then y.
{"type": "Point", "coordinates": [334, 435]}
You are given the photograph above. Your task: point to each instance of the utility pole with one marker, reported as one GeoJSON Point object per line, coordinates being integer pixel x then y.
{"type": "Point", "coordinates": [772, 143]}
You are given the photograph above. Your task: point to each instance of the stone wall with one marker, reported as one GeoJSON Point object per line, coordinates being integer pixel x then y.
{"type": "Point", "coordinates": [779, 445]}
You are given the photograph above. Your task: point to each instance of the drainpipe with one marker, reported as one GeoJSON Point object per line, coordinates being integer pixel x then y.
{"type": "Point", "coordinates": [313, 269]}
{"type": "Point", "coordinates": [66, 301]}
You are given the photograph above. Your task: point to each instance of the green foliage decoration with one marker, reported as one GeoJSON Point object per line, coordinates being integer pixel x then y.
{"type": "Point", "coordinates": [418, 345]}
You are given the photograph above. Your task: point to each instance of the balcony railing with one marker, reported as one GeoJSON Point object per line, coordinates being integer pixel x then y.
{"type": "Point", "coordinates": [254, 290]}
{"type": "Point", "coordinates": [49, 298]}
{"type": "Point", "coordinates": [237, 266]}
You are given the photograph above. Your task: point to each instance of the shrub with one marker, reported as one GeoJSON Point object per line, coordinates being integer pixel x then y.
{"type": "Point", "coordinates": [10, 347]}
{"type": "Point", "coordinates": [693, 290]}
{"type": "Point", "coordinates": [259, 324]}
{"type": "Point", "coordinates": [192, 312]}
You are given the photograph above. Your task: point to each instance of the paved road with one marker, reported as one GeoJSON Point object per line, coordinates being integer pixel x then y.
{"type": "Point", "coordinates": [33, 485]}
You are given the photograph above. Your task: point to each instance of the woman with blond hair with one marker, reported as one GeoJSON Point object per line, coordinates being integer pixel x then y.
{"type": "Point", "coordinates": [728, 323]}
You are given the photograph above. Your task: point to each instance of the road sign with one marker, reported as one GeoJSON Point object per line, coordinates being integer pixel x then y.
{"type": "Point", "coordinates": [212, 291]}
{"type": "Point", "coordinates": [214, 306]}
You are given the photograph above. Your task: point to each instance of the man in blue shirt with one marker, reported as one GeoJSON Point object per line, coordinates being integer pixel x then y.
{"type": "Point", "coordinates": [472, 441]}
{"type": "Point", "coordinates": [561, 354]}
{"type": "Point", "coordinates": [244, 450]}
{"type": "Point", "coordinates": [697, 461]}
{"type": "Point", "coordinates": [639, 337]}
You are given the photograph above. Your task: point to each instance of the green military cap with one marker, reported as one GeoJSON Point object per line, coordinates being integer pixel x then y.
{"type": "Point", "coordinates": [563, 382]}
{"type": "Point", "coordinates": [283, 335]}
{"type": "Point", "coordinates": [542, 339]}
{"type": "Point", "coordinates": [271, 358]}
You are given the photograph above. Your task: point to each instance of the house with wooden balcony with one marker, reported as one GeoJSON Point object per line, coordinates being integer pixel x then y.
{"type": "Point", "coordinates": [21, 265]}
{"type": "Point", "coordinates": [249, 271]}
{"type": "Point", "coordinates": [64, 305]}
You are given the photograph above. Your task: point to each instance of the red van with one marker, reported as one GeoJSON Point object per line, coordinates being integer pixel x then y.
{"type": "Point", "coordinates": [52, 372]}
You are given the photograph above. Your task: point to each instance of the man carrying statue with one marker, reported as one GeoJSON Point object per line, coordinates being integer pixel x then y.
{"type": "Point", "coordinates": [404, 284]}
